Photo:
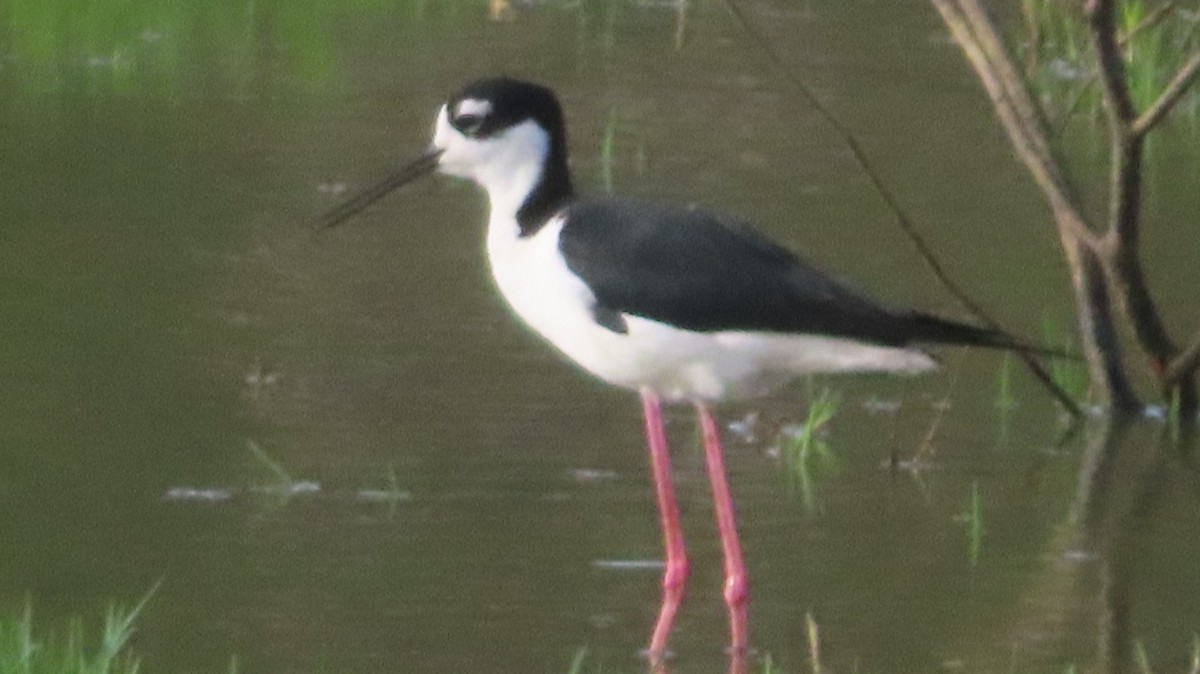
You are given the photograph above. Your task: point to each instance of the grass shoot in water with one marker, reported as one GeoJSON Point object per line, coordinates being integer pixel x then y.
{"type": "Point", "coordinates": [1155, 42]}
{"type": "Point", "coordinates": [285, 486]}
{"type": "Point", "coordinates": [813, 633]}
{"type": "Point", "coordinates": [803, 450]}
{"type": "Point", "coordinates": [577, 661]}
{"type": "Point", "coordinates": [1140, 657]}
{"type": "Point", "coordinates": [1173, 419]}
{"type": "Point", "coordinates": [1070, 376]}
{"type": "Point", "coordinates": [972, 518]}
{"type": "Point", "coordinates": [275, 468]}
{"type": "Point", "coordinates": [606, 150]}
{"type": "Point", "coordinates": [392, 493]}
{"type": "Point", "coordinates": [24, 652]}
{"type": "Point", "coordinates": [1004, 396]}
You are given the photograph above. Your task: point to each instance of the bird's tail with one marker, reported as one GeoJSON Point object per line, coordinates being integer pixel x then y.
{"type": "Point", "coordinates": [933, 330]}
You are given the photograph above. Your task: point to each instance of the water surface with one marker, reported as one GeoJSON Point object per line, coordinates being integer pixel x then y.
{"type": "Point", "coordinates": [467, 501]}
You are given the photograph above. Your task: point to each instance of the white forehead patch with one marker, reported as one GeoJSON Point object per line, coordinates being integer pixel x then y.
{"type": "Point", "coordinates": [442, 128]}
{"type": "Point", "coordinates": [477, 107]}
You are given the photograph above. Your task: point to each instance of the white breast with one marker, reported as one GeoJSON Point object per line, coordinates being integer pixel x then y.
{"type": "Point", "coordinates": [534, 278]}
{"type": "Point", "coordinates": [678, 364]}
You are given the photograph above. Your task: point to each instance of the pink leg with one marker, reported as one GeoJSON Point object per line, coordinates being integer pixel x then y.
{"type": "Point", "coordinates": [676, 572]}
{"type": "Point", "coordinates": [737, 588]}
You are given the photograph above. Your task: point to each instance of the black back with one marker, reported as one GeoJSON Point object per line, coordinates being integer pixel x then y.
{"type": "Point", "coordinates": [694, 269]}
{"type": "Point", "coordinates": [706, 272]}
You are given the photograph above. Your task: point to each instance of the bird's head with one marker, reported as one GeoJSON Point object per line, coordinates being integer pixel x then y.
{"type": "Point", "coordinates": [494, 128]}
{"type": "Point", "coordinates": [506, 135]}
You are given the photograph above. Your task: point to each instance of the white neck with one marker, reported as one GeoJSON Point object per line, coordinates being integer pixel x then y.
{"type": "Point", "coordinates": [509, 186]}
{"type": "Point", "coordinates": [509, 176]}
{"type": "Point", "coordinates": [508, 165]}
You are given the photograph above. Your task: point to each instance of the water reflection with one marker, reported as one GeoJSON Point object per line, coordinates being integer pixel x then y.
{"type": "Point", "coordinates": [738, 664]}
{"type": "Point", "coordinates": [1090, 582]}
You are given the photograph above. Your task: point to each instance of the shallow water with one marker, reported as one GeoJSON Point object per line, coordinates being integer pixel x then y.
{"type": "Point", "coordinates": [455, 497]}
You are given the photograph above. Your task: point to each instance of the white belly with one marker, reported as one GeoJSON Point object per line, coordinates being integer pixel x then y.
{"type": "Point", "coordinates": [678, 364]}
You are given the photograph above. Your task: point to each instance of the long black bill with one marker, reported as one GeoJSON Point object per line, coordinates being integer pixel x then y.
{"type": "Point", "coordinates": [408, 173]}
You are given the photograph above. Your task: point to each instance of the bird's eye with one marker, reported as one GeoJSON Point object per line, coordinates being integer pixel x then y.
{"type": "Point", "coordinates": [469, 124]}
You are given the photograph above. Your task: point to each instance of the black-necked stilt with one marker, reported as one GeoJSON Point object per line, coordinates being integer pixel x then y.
{"type": "Point", "coordinates": [676, 303]}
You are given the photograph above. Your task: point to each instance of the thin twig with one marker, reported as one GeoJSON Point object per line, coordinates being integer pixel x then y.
{"type": "Point", "coordinates": [893, 205]}
{"type": "Point", "coordinates": [1073, 106]}
{"type": "Point", "coordinates": [860, 157]}
{"type": "Point", "coordinates": [1040, 165]}
{"type": "Point", "coordinates": [1150, 20]}
{"type": "Point", "coordinates": [1033, 29]}
{"type": "Point", "coordinates": [927, 447]}
{"type": "Point", "coordinates": [1184, 363]}
{"type": "Point", "coordinates": [1014, 85]}
{"type": "Point", "coordinates": [1169, 97]}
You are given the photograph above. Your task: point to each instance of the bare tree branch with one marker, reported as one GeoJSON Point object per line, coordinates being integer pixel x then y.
{"type": "Point", "coordinates": [1105, 363]}
{"type": "Point", "coordinates": [1102, 16]}
{"type": "Point", "coordinates": [1127, 134]}
{"type": "Point", "coordinates": [1130, 283]}
{"type": "Point", "coordinates": [1010, 78]}
{"type": "Point", "coordinates": [971, 29]}
{"type": "Point", "coordinates": [1125, 175]}
{"type": "Point", "coordinates": [1169, 97]}
{"type": "Point", "coordinates": [898, 213]}
{"type": "Point", "coordinates": [1025, 140]}
{"type": "Point", "coordinates": [1106, 272]}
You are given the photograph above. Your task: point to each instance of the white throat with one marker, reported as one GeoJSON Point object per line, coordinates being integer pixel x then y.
{"type": "Point", "coordinates": [507, 165]}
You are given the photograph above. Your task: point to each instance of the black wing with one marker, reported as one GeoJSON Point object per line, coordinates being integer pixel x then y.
{"type": "Point", "coordinates": [705, 272]}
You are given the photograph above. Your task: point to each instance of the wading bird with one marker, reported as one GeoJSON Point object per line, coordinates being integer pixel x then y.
{"type": "Point", "coordinates": [676, 303]}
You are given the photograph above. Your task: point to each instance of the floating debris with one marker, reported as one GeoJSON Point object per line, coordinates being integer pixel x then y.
{"type": "Point", "coordinates": [304, 487]}
{"type": "Point", "coordinates": [875, 405]}
{"type": "Point", "coordinates": [1067, 71]}
{"type": "Point", "coordinates": [793, 431]}
{"type": "Point", "coordinates": [1080, 556]}
{"type": "Point", "coordinates": [592, 474]}
{"type": "Point", "coordinates": [382, 495]}
{"type": "Point", "coordinates": [912, 465]}
{"type": "Point", "coordinates": [745, 430]}
{"type": "Point", "coordinates": [298, 488]}
{"type": "Point", "coordinates": [1155, 412]}
{"type": "Point", "coordinates": [192, 494]}
{"type": "Point", "coordinates": [261, 375]}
